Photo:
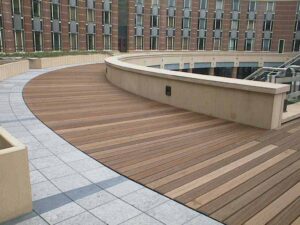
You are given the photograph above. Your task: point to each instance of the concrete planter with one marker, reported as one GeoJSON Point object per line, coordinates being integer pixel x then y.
{"type": "Point", "coordinates": [15, 188]}
{"type": "Point", "coordinates": [13, 68]}
{"type": "Point", "coordinates": [41, 63]}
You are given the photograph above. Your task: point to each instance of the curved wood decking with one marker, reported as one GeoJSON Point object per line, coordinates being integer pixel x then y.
{"type": "Point", "coordinates": [233, 173]}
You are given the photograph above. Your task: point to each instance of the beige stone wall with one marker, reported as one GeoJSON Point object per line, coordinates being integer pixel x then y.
{"type": "Point", "coordinates": [40, 63]}
{"type": "Point", "coordinates": [252, 103]}
{"type": "Point", "coordinates": [162, 58]}
{"type": "Point", "coordinates": [15, 189]}
{"type": "Point", "coordinates": [12, 69]}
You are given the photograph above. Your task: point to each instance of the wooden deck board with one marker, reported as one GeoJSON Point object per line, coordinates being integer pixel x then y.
{"type": "Point", "coordinates": [231, 172]}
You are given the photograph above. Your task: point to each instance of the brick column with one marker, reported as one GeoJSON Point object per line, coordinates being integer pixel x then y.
{"type": "Point", "coordinates": [65, 25]}
{"type": "Point", "coordinates": [260, 8]}
{"type": "Point", "coordinates": [210, 24]}
{"type": "Point", "coordinates": [9, 39]}
{"type": "Point", "coordinates": [194, 25]}
{"type": "Point", "coordinates": [147, 16]}
{"type": "Point", "coordinates": [178, 25]}
{"type": "Point", "coordinates": [98, 17]}
{"type": "Point", "coordinates": [115, 25]}
{"type": "Point", "coordinates": [243, 25]}
{"type": "Point", "coordinates": [82, 24]}
{"type": "Point", "coordinates": [162, 26]}
{"type": "Point", "coordinates": [27, 26]}
{"type": "Point", "coordinates": [131, 24]}
{"type": "Point", "coordinates": [226, 25]}
{"type": "Point", "coordinates": [46, 14]}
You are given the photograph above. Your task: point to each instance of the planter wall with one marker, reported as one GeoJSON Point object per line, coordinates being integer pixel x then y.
{"type": "Point", "coordinates": [15, 188]}
{"type": "Point", "coordinates": [13, 68]}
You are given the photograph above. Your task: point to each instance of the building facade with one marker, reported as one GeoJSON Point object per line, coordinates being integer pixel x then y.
{"type": "Point", "coordinates": [136, 25]}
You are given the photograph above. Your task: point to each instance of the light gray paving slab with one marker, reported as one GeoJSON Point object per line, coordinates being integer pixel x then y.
{"type": "Point", "coordinates": [62, 213]}
{"type": "Point", "coordinates": [143, 219]}
{"type": "Point", "coordinates": [73, 156]}
{"type": "Point", "coordinates": [36, 177]}
{"type": "Point", "coordinates": [84, 165]}
{"type": "Point", "coordinates": [28, 219]}
{"type": "Point", "coordinates": [123, 188]}
{"type": "Point", "coordinates": [43, 190]}
{"type": "Point", "coordinates": [203, 220]}
{"type": "Point", "coordinates": [144, 199]}
{"type": "Point", "coordinates": [38, 153]}
{"type": "Point", "coordinates": [57, 171]}
{"type": "Point", "coordinates": [115, 212]}
{"type": "Point", "coordinates": [82, 219]}
{"type": "Point", "coordinates": [100, 174]}
{"type": "Point", "coordinates": [172, 213]}
{"type": "Point", "coordinates": [70, 182]}
{"type": "Point", "coordinates": [90, 196]}
{"type": "Point", "coordinates": [45, 162]}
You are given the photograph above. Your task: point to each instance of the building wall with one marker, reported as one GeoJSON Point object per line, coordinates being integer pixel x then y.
{"type": "Point", "coordinates": [283, 25]}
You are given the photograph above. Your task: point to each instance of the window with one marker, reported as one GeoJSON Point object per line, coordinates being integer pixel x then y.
{"type": "Point", "coordinates": [171, 3]}
{"type": "Point", "coordinates": [73, 13]}
{"type": "Point", "coordinates": [249, 44]}
{"type": "Point", "coordinates": [252, 6]}
{"type": "Point", "coordinates": [187, 4]}
{"type": "Point", "coordinates": [154, 21]}
{"type": "Point", "coordinates": [218, 24]}
{"type": "Point", "coordinates": [203, 4]}
{"type": "Point", "coordinates": [171, 22]}
{"type": "Point", "coordinates": [154, 43]}
{"type": "Point", "coordinates": [170, 43]}
{"type": "Point", "coordinates": [186, 23]}
{"type": "Point", "coordinates": [296, 46]}
{"type": "Point", "coordinates": [219, 4]}
{"type": "Point", "coordinates": [56, 42]}
{"type": "Point", "coordinates": [139, 20]}
{"type": "Point", "coordinates": [107, 42]}
{"type": "Point", "coordinates": [106, 18]}
{"type": "Point", "coordinates": [201, 43]}
{"type": "Point", "coordinates": [217, 44]}
{"type": "Point", "coordinates": [73, 42]}
{"type": "Point", "coordinates": [270, 6]}
{"type": "Point", "coordinates": [90, 15]}
{"type": "Point", "coordinates": [139, 43]}
{"type": "Point", "coordinates": [232, 44]}
{"type": "Point", "coordinates": [266, 43]}
{"type": "Point", "coordinates": [37, 41]}
{"type": "Point", "coordinates": [90, 42]}
{"type": "Point", "coordinates": [185, 43]}
{"type": "Point", "coordinates": [1, 35]}
{"type": "Point", "coordinates": [17, 7]}
{"type": "Point", "coordinates": [55, 12]}
{"type": "Point", "coordinates": [36, 8]}
{"type": "Point", "coordinates": [19, 40]}
{"type": "Point", "coordinates": [234, 25]}
{"type": "Point", "coordinates": [235, 5]}
{"type": "Point", "coordinates": [268, 25]}
{"type": "Point", "coordinates": [250, 25]}
{"type": "Point", "coordinates": [202, 24]}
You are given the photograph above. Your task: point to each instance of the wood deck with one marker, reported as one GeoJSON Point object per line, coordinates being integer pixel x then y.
{"type": "Point", "coordinates": [233, 173]}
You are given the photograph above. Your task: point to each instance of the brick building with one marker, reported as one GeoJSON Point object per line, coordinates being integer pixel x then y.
{"type": "Point", "coordinates": [134, 25]}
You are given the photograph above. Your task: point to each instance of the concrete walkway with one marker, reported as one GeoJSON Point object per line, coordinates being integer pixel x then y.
{"type": "Point", "coordinates": [69, 187]}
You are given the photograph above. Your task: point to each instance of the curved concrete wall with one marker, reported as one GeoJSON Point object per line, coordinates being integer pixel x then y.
{"type": "Point", "coordinates": [252, 103]}
{"type": "Point", "coordinates": [13, 68]}
{"type": "Point", "coordinates": [40, 63]}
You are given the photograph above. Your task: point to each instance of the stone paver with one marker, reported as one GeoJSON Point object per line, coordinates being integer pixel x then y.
{"type": "Point", "coordinates": [69, 187]}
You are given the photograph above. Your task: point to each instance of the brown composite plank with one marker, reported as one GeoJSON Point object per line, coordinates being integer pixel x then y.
{"type": "Point", "coordinates": [194, 157]}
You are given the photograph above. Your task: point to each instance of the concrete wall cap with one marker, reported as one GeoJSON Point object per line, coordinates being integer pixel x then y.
{"type": "Point", "coordinates": [121, 62]}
